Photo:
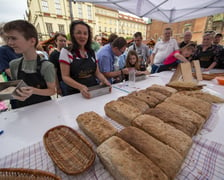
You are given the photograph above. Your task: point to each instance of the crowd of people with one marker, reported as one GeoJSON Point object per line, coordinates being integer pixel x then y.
{"type": "Point", "coordinates": [88, 62]}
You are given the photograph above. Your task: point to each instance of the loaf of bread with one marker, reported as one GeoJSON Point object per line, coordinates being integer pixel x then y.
{"type": "Point", "coordinates": [124, 162]}
{"type": "Point", "coordinates": [167, 91]}
{"type": "Point", "coordinates": [182, 85]}
{"type": "Point", "coordinates": [197, 105]}
{"type": "Point", "coordinates": [142, 96]}
{"type": "Point", "coordinates": [184, 113]}
{"type": "Point", "coordinates": [161, 97]}
{"type": "Point", "coordinates": [95, 127]}
{"type": "Point", "coordinates": [174, 119]}
{"type": "Point", "coordinates": [141, 105]}
{"type": "Point", "coordinates": [203, 96]}
{"type": "Point", "coordinates": [165, 157]}
{"type": "Point", "coordinates": [164, 132]}
{"type": "Point", "coordinates": [121, 112]}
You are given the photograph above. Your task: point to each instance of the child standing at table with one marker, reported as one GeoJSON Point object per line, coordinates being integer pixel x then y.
{"type": "Point", "coordinates": [181, 55]}
{"type": "Point", "coordinates": [37, 73]}
{"type": "Point", "coordinates": [178, 56]}
{"type": "Point", "coordinates": [132, 61]}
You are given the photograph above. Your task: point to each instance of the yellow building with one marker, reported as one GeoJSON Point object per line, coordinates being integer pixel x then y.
{"type": "Point", "coordinates": [106, 21]}
{"type": "Point", "coordinates": [51, 16]}
{"type": "Point", "coordinates": [111, 21]}
{"type": "Point", "coordinates": [129, 25]}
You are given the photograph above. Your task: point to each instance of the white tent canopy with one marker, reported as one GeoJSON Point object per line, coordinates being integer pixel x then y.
{"type": "Point", "coordinates": [165, 10]}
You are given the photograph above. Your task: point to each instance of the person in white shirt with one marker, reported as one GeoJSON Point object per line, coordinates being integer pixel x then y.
{"type": "Point", "coordinates": [162, 49]}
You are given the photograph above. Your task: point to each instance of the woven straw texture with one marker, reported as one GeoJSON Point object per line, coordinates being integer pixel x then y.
{"type": "Point", "coordinates": [26, 174]}
{"type": "Point", "coordinates": [69, 150]}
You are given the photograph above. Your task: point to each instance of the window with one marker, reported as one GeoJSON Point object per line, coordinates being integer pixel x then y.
{"type": "Point", "coordinates": [89, 12]}
{"type": "Point", "coordinates": [61, 28]}
{"type": "Point", "coordinates": [99, 28]}
{"type": "Point", "coordinates": [44, 4]}
{"type": "Point", "coordinates": [111, 30]}
{"type": "Point", "coordinates": [49, 28]}
{"type": "Point", "coordinates": [57, 6]}
{"type": "Point", "coordinates": [105, 29]}
{"type": "Point", "coordinates": [79, 10]}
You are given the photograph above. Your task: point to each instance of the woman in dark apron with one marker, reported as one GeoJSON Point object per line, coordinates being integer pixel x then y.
{"type": "Point", "coordinates": [78, 64]}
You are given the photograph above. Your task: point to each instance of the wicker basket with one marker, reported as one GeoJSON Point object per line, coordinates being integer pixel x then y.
{"type": "Point", "coordinates": [69, 150]}
{"type": "Point", "coordinates": [26, 174]}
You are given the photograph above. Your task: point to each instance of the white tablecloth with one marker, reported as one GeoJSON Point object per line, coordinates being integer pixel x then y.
{"type": "Point", "coordinates": [21, 142]}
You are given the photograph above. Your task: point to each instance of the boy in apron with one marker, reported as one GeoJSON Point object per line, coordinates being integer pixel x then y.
{"type": "Point", "coordinates": [37, 73]}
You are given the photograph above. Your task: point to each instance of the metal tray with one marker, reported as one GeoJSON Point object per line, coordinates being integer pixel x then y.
{"type": "Point", "coordinates": [99, 90]}
{"type": "Point", "coordinates": [17, 83]}
{"type": "Point", "coordinates": [140, 78]}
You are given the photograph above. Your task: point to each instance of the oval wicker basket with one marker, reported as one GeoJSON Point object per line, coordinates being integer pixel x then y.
{"type": "Point", "coordinates": [26, 174]}
{"type": "Point", "coordinates": [68, 149]}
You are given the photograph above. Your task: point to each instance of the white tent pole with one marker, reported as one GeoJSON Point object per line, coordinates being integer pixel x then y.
{"type": "Point", "coordinates": [171, 15]}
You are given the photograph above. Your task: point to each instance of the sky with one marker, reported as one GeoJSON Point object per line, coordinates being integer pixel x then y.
{"type": "Point", "coordinates": [12, 9]}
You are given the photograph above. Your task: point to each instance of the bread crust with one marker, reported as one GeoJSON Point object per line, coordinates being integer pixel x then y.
{"type": "Point", "coordinates": [203, 96]}
{"type": "Point", "coordinates": [121, 112]}
{"type": "Point", "coordinates": [161, 97]}
{"type": "Point", "coordinates": [164, 132]}
{"type": "Point", "coordinates": [175, 120]}
{"type": "Point", "coordinates": [124, 162]}
{"type": "Point", "coordinates": [166, 158]}
{"type": "Point", "coordinates": [199, 106]}
{"type": "Point", "coordinates": [95, 127]}
{"type": "Point", "coordinates": [142, 96]}
{"type": "Point", "coordinates": [167, 91]}
{"type": "Point", "coordinates": [185, 114]}
{"type": "Point", "coordinates": [141, 105]}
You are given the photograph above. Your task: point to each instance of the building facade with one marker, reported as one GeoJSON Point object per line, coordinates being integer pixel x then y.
{"type": "Point", "coordinates": [197, 26]}
{"type": "Point", "coordinates": [106, 20]}
{"type": "Point", "coordinates": [128, 25]}
{"type": "Point", "coordinates": [50, 16]}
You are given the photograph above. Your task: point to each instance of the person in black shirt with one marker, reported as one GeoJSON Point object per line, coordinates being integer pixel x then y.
{"type": "Point", "coordinates": [207, 53]}
{"type": "Point", "coordinates": [79, 67]}
{"type": "Point", "coordinates": [60, 42]}
{"type": "Point", "coordinates": [187, 39]}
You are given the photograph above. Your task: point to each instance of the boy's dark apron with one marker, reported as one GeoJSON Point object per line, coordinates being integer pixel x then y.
{"type": "Point", "coordinates": [83, 71]}
{"type": "Point", "coordinates": [31, 79]}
